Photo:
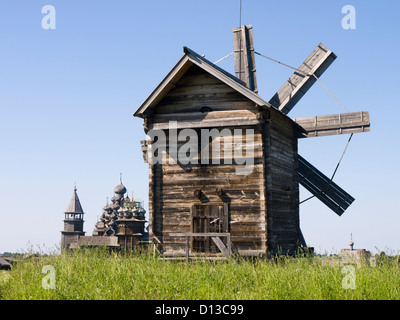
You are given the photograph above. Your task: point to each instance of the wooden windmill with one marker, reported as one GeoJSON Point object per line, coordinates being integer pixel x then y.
{"type": "Point", "coordinates": [260, 210]}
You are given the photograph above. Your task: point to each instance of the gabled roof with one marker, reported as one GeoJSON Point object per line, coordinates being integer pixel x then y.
{"type": "Point", "coordinates": [192, 58]}
{"type": "Point", "coordinates": [74, 205]}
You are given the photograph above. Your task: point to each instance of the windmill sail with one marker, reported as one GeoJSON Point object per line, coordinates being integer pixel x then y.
{"type": "Point", "coordinates": [301, 81]}
{"type": "Point", "coordinates": [323, 188]}
{"type": "Point", "coordinates": [334, 124]}
{"type": "Point", "coordinates": [243, 49]}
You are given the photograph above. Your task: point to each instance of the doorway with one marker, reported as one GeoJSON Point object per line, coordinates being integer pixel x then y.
{"type": "Point", "coordinates": [205, 219]}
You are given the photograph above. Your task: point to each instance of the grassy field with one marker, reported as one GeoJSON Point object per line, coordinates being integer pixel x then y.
{"type": "Point", "coordinates": [97, 274]}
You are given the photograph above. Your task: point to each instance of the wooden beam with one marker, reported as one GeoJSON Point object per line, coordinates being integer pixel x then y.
{"type": "Point", "coordinates": [221, 246]}
{"type": "Point", "coordinates": [302, 240]}
{"type": "Point", "coordinates": [243, 52]}
{"type": "Point", "coordinates": [205, 119]}
{"type": "Point", "coordinates": [334, 124]}
{"type": "Point", "coordinates": [302, 80]}
{"type": "Point", "coordinates": [323, 188]}
{"type": "Point", "coordinates": [199, 234]}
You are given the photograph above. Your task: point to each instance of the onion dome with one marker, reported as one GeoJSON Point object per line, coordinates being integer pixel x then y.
{"type": "Point", "coordinates": [141, 211]}
{"type": "Point", "coordinates": [105, 218]}
{"type": "Point", "coordinates": [120, 212]}
{"type": "Point", "coordinates": [114, 199]}
{"type": "Point", "coordinates": [107, 208]}
{"type": "Point", "coordinates": [127, 213]}
{"type": "Point", "coordinates": [120, 189]}
{"type": "Point", "coordinates": [114, 206]}
{"type": "Point", "coordinates": [351, 243]}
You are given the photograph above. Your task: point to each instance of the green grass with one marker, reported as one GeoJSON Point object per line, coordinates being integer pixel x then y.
{"type": "Point", "coordinates": [98, 274]}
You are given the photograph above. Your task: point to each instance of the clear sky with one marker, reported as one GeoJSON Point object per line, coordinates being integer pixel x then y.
{"type": "Point", "coordinates": [67, 96]}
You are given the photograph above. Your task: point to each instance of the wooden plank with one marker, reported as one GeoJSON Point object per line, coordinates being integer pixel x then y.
{"type": "Point", "coordinates": [318, 180]}
{"type": "Point", "coordinates": [323, 188]}
{"type": "Point", "coordinates": [243, 52]}
{"type": "Point", "coordinates": [221, 246]}
{"type": "Point", "coordinates": [240, 122]}
{"type": "Point", "coordinates": [301, 81]}
{"type": "Point", "coordinates": [334, 124]}
{"type": "Point", "coordinates": [199, 116]}
{"type": "Point", "coordinates": [187, 248]}
{"type": "Point", "coordinates": [197, 234]}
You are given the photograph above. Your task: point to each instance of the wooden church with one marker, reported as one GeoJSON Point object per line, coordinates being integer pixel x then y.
{"type": "Point", "coordinates": [258, 209]}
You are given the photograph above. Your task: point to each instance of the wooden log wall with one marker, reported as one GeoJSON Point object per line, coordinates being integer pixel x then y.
{"type": "Point", "coordinates": [174, 189]}
{"type": "Point", "coordinates": [282, 186]}
{"type": "Point", "coordinates": [201, 101]}
{"type": "Point", "coordinates": [262, 206]}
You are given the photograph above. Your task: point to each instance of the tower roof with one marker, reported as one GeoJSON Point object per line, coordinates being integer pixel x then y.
{"type": "Point", "coordinates": [120, 189]}
{"type": "Point", "coordinates": [74, 205]}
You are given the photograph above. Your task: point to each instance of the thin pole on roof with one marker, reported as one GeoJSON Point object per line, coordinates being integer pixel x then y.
{"type": "Point", "coordinates": [240, 13]}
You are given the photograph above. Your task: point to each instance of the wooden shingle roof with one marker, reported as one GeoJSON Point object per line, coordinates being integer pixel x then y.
{"type": "Point", "coordinates": [74, 205]}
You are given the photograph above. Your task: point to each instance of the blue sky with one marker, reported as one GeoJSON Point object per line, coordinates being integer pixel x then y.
{"type": "Point", "coordinates": [67, 97]}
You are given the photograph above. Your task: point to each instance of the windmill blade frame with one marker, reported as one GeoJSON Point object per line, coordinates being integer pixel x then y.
{"type": "Point", "coordinates": [302, 79]}
{"type": "Point", "coordinates": [323, 188]}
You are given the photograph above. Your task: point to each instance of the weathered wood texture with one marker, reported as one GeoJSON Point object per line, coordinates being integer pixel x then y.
{"type": "Point", "coordinates": [243, 52]}
{"type": "Point", "coordinates": [111, 241]}
{"type": "Point", "coordinates": [73, 229]}
{"type": "Point", "coordinates": [302, 80]}
{"type": "Point", "coordinates": [205, 119]}
{"type": "Point", "coordinates": [189, 60]}
{"type": "Point", "coordinates": [223, 246]}
{"type": "Point", "coordinates": [197, 91]}
{"type": "Point", "coordinates": [173, 185]}
{"type": "Point", "coordinates": [243, 194]}
{"type": "Point", "coordinates": [323, 188]}
{"type": "Point", "coordinates": [176, 189]}
{"type": "Point", "coordinates": [68, 238]}
{"type": "Point", "coordinates": [282, 189]}
{"type": "Point", "coordinates": [334, 124]}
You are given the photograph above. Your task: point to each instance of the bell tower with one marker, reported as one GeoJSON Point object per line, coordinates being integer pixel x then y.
{"type": "Point", "coordinates": [73, 222]}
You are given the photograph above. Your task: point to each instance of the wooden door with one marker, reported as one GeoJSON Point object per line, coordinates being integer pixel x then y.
{"type": "Point", "coordinates": [208, 218]}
